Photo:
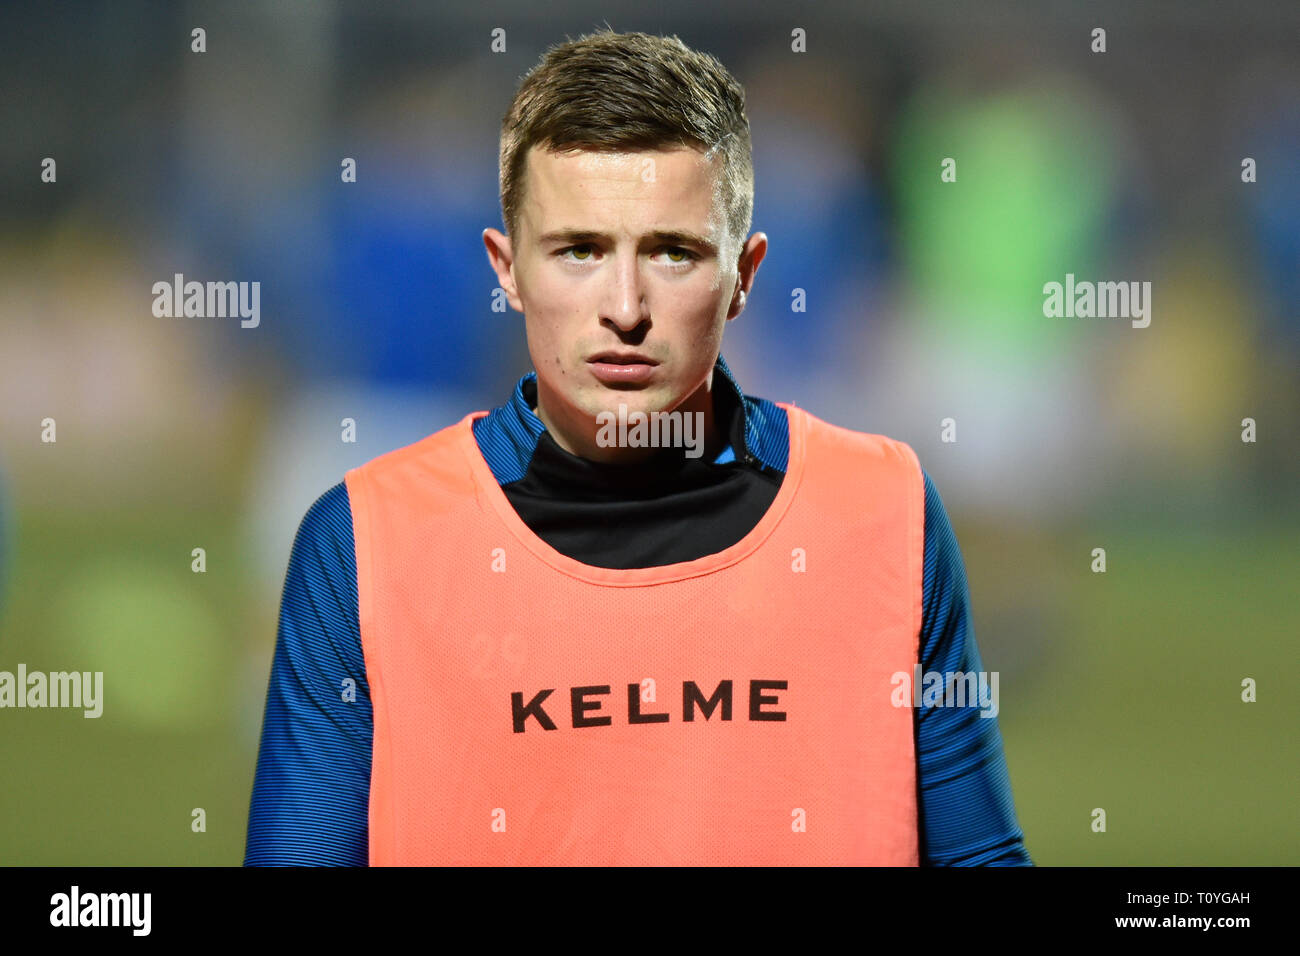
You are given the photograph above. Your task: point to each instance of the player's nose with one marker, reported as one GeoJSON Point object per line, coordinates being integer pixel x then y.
{"type": "Point", "coordinates": [624, 295]}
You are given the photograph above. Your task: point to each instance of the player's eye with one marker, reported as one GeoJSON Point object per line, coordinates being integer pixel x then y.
{"type": "Point", "coordinates": [677, 255]}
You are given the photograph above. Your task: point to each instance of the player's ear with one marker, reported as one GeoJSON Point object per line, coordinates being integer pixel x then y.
{"type": "Point", "coordinates": [737, 303]}
{"type": "Point", "coordinates": [500, 253]}
{"type": "Point", "coordinates": [750, 256]}
{"type": "Point", "coordinates": [746, 269]}
{"type": "Point", "coordinates": [501, 259]}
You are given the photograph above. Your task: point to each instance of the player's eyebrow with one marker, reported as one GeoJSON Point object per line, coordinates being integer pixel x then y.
{"type": "Point", "coordinates": [674, 237]}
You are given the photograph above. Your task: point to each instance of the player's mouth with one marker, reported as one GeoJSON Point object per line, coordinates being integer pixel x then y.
{"type": "Point", "coordinates": [622, 368]}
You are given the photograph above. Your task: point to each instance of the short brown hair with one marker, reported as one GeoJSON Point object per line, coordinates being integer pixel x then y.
{"type": "Point", "coordinates": [610, 91]}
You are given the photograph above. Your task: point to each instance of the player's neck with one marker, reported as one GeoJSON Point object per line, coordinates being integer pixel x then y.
{"type": "Point", "coordinates": [588, 438]}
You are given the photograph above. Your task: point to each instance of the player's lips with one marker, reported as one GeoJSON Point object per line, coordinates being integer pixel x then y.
{"type": "Point", "coordinates": [622, 367]}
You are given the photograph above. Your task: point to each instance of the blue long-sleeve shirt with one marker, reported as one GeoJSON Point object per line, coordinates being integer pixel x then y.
{"type": "Point", "coordinates": [310, 796]}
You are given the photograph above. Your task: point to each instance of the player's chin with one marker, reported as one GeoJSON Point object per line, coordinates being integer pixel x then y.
{"type": "Point", "coordinates": [643, 398]}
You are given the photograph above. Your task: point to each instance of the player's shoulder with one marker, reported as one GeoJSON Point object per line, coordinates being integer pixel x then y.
{"type": "Point", "coordinates": [322, 545]}
{"type": "Point", "coordinates": [827, 438]}
{"type": "Point", "coordinates": [439, 455]}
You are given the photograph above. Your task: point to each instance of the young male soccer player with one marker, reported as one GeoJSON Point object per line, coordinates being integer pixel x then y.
{"type": "Point", "coordinates": [578, 640]}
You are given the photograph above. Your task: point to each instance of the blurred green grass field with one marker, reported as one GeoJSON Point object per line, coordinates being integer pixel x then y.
{"type": "Point", "coordinates": [1142, 716]}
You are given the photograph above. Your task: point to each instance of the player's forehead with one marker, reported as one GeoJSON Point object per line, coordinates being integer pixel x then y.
{"type": "Point", "coordinates": [588, 188]}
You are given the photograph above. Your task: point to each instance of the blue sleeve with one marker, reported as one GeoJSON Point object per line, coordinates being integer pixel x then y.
{"type": "Point", "coordinates": [967, 816]}
{"type": "Point", "coordinates": [311, 792]}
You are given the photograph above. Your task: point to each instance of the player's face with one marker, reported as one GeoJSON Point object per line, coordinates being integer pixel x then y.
{"type": "Point", "coordinates": [626, 276]}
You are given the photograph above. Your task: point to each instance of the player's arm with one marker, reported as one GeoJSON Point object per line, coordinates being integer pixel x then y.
{"type": "Point", "coordinates": [967, 816]}
{"type": "Point", "coordinates": [311, 792]}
